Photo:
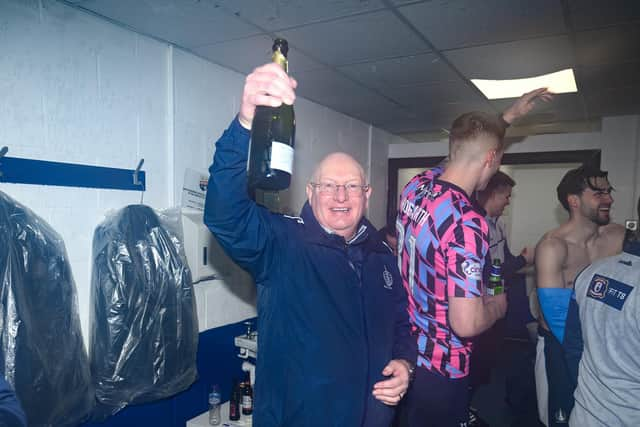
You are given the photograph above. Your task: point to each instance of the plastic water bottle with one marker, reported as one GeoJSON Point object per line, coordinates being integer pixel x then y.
{"type": "Point", "coordinates": [214, 406]}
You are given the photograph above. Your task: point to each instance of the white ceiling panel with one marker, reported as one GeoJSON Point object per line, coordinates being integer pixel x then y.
{"type": "Point", "coordinates": [610, 45]}
{"type": "Point", "coordinates": [187, 23]}
{"type": "Point", "coordinates": [512, 60]}
{"type": "Point", "coordinates": [565, 107]}
{"type": "Point", "coordinates": [459, 23]}
{"type": "Point", "coordinates": [450, 110]}
{"type": "Point", "coordinates": [442, 93]}
{"type": "Point", "coordinates": [403, 65]}
{"type": "Point", "coordinates": [612, 101]}
{"type": "Point", "coordinates": [376, 110]}
{"type": "Point", "coordinates": [330, 88]}
{"type": "Point", "coordinates": [402, 71]}
{"type": "Point", "coordinates": [610, 75]}
{"type": "Point", "coordinates": [590, 14]}
{"type": "Point", "coordinates": [356, 39]}
{"type": "Point", "coordinates": [273, 15]}
{"type": "Point", "coordinates": [434, 122]}
{"type": "Point", "coordinates": [244, 55]}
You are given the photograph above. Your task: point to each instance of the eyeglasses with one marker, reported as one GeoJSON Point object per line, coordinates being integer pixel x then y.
{"type": "Point", "coordinates": [355, 190]}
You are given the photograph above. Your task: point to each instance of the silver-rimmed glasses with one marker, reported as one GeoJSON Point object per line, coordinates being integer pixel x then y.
{"type": "Point", "coordinates": [331, 188]}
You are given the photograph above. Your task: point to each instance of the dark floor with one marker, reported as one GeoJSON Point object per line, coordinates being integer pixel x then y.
{"type": "Point", "coordinates": [512, 381]}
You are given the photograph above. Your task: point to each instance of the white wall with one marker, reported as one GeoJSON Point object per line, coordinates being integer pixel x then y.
{"type": "Point", "coordinates": [78, 89]}
{"type": "Point", "coordinates": [378, 173]}
{"type": "Point", "coordinates": [75, 89]}
{"type": "Point", "coordinates": [534, 207]}
{"type": "Point", "coordinates": [619, 140]}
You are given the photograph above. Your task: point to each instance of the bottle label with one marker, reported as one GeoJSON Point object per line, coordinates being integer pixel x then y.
{"type": "Point", "coordinates": [497, 290]}
{"type": "Point", "coordinates": [281, 157]}
{"type": "Point", "coordinates": [214, 398]}
{"type": "Point", "coordinates": [247, 402]}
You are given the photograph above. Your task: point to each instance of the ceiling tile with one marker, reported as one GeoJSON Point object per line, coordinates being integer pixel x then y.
{"type": "Point", "coordinates": [384, 72]}
{"type": "Point", "coordinates": [186, 23]}
{"type": "Point", "coordinates": [274, 15]}
{"type": "Point", "coordinates": [407, 70]}
{"type": "Point", "coordinates": [609, 75]}
{"type": "Point", "coordinates": [613, 101]}
{"type": "Point", "coordinates": [512, 60]}
{"type": "Point", "coordinates": [405, 2]}
{"type": "Point", "coordinates": [379, 111]}
{"type": "Point", "coordinates": [246, 54]}
{"type": "Point", "coordinates": [356, 39]}
{"type": "Point", "coordinates": [326, 87]}
{"type": "Point", "coordinates": [432, 117]}
{"type": "Point", "coordinates": [611, 45]}
{"type": "Point", "coordinates": [451, 110]}
{"type": "Point", "coordinates": [436, 94]}
{"type": "Point", "coordinates": [563, 107]}
{"type": "Point", "coordinates": [428, 123]}
{"type": "Point", "coordinates": [459, 23]}
{"type": "Point", "coordinates": [589, 14]}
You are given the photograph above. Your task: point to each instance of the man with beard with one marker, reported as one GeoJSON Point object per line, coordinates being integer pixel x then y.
{"type": "Point", "coordinates": [602, 337]}
{"type": "Point", "coordinates": [561, 254]}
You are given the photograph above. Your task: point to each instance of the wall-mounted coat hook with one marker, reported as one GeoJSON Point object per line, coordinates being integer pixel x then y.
{"type": "Point", "coordinates": [3, 151]}
{"type": "Point", "coordinates": [136, 180]}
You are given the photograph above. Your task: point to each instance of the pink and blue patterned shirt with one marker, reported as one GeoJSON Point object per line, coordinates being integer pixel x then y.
{"type": "Point", "coordinates": [443, 241]}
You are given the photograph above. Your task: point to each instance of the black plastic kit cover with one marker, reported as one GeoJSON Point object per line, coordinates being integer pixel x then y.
{"type": "Point", "coordinates": [42, 352]}
{"type": "Point", "coordinates": [144, 326]}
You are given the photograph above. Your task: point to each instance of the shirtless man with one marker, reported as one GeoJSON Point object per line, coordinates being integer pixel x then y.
{"type": "Point", "coordinates": [560, 255]}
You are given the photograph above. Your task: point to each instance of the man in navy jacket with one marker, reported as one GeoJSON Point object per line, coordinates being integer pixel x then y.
{"type": "Point", "coordinates": [11, 413]}
{"type": "Point", "coordinates": [335, 342]}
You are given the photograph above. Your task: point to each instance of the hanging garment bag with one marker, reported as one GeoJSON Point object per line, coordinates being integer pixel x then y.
{"type": "Point", "coordinates": [144, 327]}
{"type": "Point", "coordinates": [42, 353]}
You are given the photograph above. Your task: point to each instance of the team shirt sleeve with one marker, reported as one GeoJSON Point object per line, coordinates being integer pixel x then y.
{"type": "Point", "coordinates": [465, 255]}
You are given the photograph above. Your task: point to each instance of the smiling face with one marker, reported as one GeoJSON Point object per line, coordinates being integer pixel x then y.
{"type": "Point", "coordinates": [596, 200]}
{"type": "Point", "coordinates": [341, 210]}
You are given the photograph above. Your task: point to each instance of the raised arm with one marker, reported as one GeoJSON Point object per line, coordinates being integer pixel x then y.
{"type": "Point", "coordinates": [240, 226]}
{"type": "Point", "coordinates": [525, 103]}
{"type": "Point", "coordinates": [267, 85]}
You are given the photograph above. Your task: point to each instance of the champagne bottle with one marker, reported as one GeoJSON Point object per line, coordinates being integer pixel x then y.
{"type": "Point", "coordinates": [272, 138]}
{"type": "Point", "coordinates": [235, 402]}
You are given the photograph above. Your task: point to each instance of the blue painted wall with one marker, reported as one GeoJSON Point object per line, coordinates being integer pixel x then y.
{"type": "Point", "coordinates": [217, 363]}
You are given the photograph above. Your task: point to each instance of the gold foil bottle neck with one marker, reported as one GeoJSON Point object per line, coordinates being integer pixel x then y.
{"type": "Point", "coordinates": [281, 60]}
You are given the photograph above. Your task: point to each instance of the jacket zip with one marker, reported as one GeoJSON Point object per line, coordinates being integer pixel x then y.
{"type": "Point", "coordinates": [366, 340]}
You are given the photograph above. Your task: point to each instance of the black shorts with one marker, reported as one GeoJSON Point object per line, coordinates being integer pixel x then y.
{"type": "Point", "coordinates": [561, 387]}
{"type": "Point", "coordinates": [435, 401]}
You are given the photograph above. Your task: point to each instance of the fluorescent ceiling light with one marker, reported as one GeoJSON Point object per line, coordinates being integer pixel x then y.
{"type": "Point", "coordinates": [559, 82]}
